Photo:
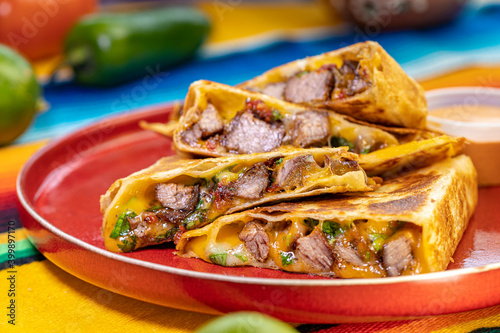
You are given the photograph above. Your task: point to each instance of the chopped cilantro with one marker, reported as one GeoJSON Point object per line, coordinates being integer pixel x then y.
{"type": "Point", "coordinates": [279, 161]}
{"type": "Point", "coordinates": [154, 208]}
{"type": "Point", "coordinates": [367, 255]}
{"type": "Point", "coordinates": [366, 150]}
{"type": "Point", "coordinates": [122, 226]}
{"type": "Point", "coordinates": [127, 245]}
{"type": "Point", "coordinates": [299, 74]}
{"type": "Point", "coordinates": [242, 257]}
{"type": "Point", "coordinates": [200, 204]}
{"type": "Point", "coordinates": [332, 230]}
{"type": "Point", "coordinates": [378, 241]}
{"type": "Point", "coordinates": [194, 219]}
{"type": "Point", "coordinates": [287, 258]}
{"type": "Point", "coordinates": [167, 235]}
{"type": "Point", "coordinates": [219, 258]}
{"type": "Point", "coordinates": [311, 222]}
{"type": "Point", "coordinates": [338, 141]}
{"type": "Point", "coordinates": [277, 115]}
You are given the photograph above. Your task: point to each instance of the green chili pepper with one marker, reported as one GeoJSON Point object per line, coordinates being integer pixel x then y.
{"type": "Point", "coordinates": [110, 48]}
{"type": "Point", "coordinates": [219, 258]}
{"type": "Point", "coordinates": [242, 257]}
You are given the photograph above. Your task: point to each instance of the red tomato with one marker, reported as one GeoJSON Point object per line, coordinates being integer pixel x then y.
{"type": "Point", "coordinates": [37, 28]}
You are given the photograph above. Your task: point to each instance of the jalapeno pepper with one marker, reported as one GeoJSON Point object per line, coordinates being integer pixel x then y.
{"type": "Point", "coordinates": [111, 48]}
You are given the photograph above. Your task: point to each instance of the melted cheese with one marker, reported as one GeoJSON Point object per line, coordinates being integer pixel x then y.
{"type": "Point", "coordinates": [216, 239]}
{"type": "Point", "coordinates": [141, 196]}
{"type": "Point", "coordinates": [137, 201]}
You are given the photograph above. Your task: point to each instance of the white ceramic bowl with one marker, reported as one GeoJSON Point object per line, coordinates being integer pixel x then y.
{"type": "Point", "coordinates": [483, 136]}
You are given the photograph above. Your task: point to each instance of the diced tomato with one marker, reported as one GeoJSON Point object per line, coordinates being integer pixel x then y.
{"type": "Point", "coordinates": [211, 144]}
{"type": "Point", "coordinates": [260, 109]}
{"type": "Point", "coordinates": [151, 218]}
{"type": "Point", "coordinates": [222, 194]}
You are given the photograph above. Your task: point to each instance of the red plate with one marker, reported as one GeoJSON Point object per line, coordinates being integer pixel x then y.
{"type": "Point", "coordinates": [59, 191]}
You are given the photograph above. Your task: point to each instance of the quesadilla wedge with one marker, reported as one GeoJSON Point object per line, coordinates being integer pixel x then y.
{"type": "Point", "coordinates": [152, 205]}
{"type": "Point", "coordinates": [360, 80]}
{"type": "Point", "coordinates": [219, 120]}
{"type": "Point", "coordinates": [410, 225]}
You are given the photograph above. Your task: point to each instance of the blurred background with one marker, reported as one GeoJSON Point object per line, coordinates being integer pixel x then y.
{"type": "Point", "coordinates": [439, 43]}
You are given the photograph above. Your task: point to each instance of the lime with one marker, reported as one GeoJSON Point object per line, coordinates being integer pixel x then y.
{"type": "Point", "coordinates": [248, 322]}
{"type": "Point", "coordinates": [19, 95]}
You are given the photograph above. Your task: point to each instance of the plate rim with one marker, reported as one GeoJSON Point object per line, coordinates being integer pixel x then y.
{"type": "Point", "coordinates": [454, 273]}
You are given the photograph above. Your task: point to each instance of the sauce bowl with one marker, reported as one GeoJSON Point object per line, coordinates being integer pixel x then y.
{"type": "Point", "coordinates": [473, 113]}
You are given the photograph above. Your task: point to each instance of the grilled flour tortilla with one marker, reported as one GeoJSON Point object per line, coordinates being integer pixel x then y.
{"type": "Point", "coordinates": [410, 225]}
{"type": "Point", "coordinates": [152, 205]}
{"type": "Point", "coordinates": [360, 80]}
{"type": "Point", "coordinates": [220, 120]}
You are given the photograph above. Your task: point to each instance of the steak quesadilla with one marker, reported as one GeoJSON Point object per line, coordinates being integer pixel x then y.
{"type": "Point", "coordinates": [410, 225]}
{"type": "Point", "coordinates": [152, 205]}
{"type": "Point", "coordinates": [220, 120]}
{"type": "Point", "coordinates": [360, 80]}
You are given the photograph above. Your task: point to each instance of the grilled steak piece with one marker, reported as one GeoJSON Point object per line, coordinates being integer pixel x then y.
{"type": "Point", "coordinates": [253, 182]}
{"type": "Point", "coordinates": [210, 122]}
{"type": "Point", "coordinates": [309, 87]}
{"type": "Point", "coordinates": [147, 228]}
{"type": "Point", "coordinates": [256, 240]}
{"type": "Point", "coordinates": [348, 254]}
{"type": "Point", "coordinates": [396, 255]}
{"type": "Point", "coordinates": [314, 249]}
{"type": "Point", "coordinates": [349, 79]}
{"type": "Point", "coordinates": [172, 215]}
{"type": "Point", "coordinates": [247, 134]}
{"type": "Point", "coordinates": [292, 172]}
{"type": "Point", "coordinates": [275, 90]}
{"type": "Point", "coordinates": [192, 135]}
{"type": "Point", "coordinates": [177, 196]}
{"type": "Point", "coordinates": [310, 128]}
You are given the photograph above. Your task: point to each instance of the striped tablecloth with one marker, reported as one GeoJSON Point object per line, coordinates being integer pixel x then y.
{"type": "Point", "coordinates": [246, 40]}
